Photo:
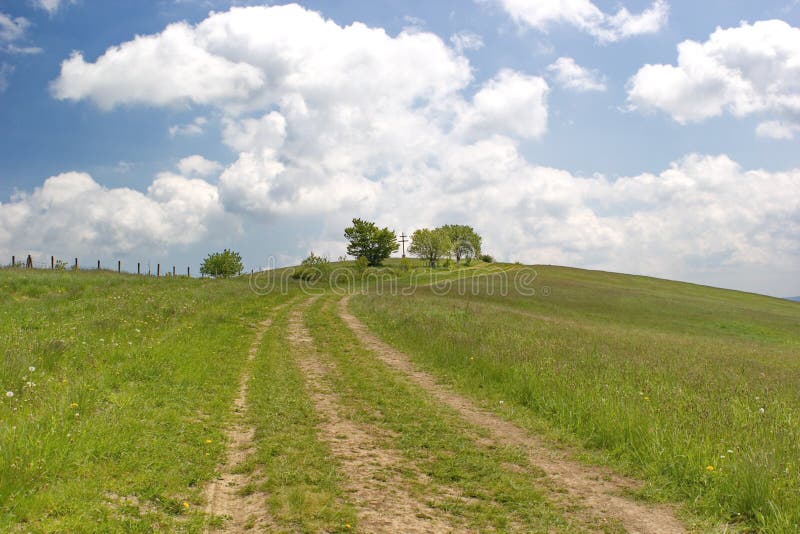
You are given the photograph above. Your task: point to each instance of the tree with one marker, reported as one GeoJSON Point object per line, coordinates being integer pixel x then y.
{"type": "Point", "coordinates": [222, 264]}
{"type": "Point", "coordinates": [430, 244]}
{"type": "Point", "coordinates": [466, 241]}
{"type": "Point", "coordinates": [368, 241]}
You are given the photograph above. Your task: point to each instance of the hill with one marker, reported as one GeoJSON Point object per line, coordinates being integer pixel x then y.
{"type": "Point", "coordinates": [483, 397]}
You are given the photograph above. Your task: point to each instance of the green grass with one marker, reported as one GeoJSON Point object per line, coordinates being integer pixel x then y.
{"type": "Point", "coordinates": [135, 375]}
{"type": "Point", "coordinates": [293, 468]}
{"type": "Point", "coordinates": [434, 441]}
{"type": "Point", "coordinates": [661, 379]}
{"type": "Point", "coordinates": [132, 376]}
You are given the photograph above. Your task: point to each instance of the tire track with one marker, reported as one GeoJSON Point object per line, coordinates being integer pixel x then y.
{"type": "Point", "coordinates": [382, 502]}
{"type": "Point", "coordinates": [596, 489]}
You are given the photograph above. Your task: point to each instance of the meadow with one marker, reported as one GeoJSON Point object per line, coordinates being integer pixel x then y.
{"type": "Point", "coordinates": [118, 394]}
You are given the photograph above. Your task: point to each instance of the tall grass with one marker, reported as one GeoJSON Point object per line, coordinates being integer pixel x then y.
{"type": "Point", "coordinates": [121, 386]}
{"type": "Point", "coordinates": [695, 389]}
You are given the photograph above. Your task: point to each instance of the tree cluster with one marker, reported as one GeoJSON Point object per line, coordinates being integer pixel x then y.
{"type": "Point", "coordinates": [451, 240]}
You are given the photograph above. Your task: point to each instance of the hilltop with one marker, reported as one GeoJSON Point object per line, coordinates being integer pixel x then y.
{"type": "Point", "coordinates": [488, 396]}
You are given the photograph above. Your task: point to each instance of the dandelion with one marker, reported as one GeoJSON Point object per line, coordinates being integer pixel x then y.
{"type": "Point", "coordinates": [73, 405]}
{"type": "Point", "coordinates": [31, 368]}
{"type": "Point", "coordinates": [208, 441]}
{"type": "Point", "coordinates": [646, 397]}
{"type": "Point", "coordinates": [185, 504]}
{"type": "Point", "coordinates": [9, 394]}
{"type": "Point", "coordinates": [347, 526]}
{"type": "Point", "coordinates": [709, 468]}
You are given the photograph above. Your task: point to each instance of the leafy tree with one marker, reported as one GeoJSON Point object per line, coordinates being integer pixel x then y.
{"type": "Point", "coordinates": [466, 241]}
{"type": "Point", "coordinates": [222, 264]}
{"type": "Point", "coordinates": [368, 241]}
{"type": "Point", "coordinates": [430, 244]}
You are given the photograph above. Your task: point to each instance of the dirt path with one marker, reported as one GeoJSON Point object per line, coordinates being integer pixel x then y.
{"type": "Point", "coordinates": [597, 490]}
{"type": "Point", "coordinates": [244, 512]}
{"type": "Point", "coordinates": [382, 502]}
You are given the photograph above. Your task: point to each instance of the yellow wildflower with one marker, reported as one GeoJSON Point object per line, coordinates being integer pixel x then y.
{"type": "Point", "coordinates": [710, 468]}
{"type": "Point", "coordinates": [73, 405]}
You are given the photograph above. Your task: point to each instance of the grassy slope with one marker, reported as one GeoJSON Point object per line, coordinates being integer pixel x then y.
{"type": "Point", "coordinates": [122, 420]}
{"type": "Point", "coordinates": [664, 379]}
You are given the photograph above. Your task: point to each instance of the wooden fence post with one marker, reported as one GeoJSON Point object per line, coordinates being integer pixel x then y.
{"type": "Point", "coordinates": [173, 270]}
{"type": "Point", "coordinates": [13, 261]}
{"type": "Point", "coordinates": [52, 263]}
{"type": "Point", "coordinates": [188, 272]}
{"type": "Point", "coordinates": [139, 267]}
{"type": "Point", "coordinates": [29, 262]}
{"type": "Point", "coordinates": [76, 264]}
{"type": "Point", "coordinates": [98, 265]}
{"type": "Point", "coordinates": [158, 271]}
{"type": "Point", "coordinates": [119, 266]}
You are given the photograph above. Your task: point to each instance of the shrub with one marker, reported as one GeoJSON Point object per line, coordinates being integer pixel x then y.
{"type": "Point", "coordinates": [222, 264]}
{"type": "Point", "coordinates": [486, 258]}
{"type": "Point", "coordinates": [312, 268]}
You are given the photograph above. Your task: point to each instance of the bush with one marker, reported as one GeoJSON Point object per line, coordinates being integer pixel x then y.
{"type": "Point", "coordinates": [487, 258]}
{"type": "Point", "coordinates": [312, 268]}
{"type": "Point", "coordinates": [361, 264]}
{"type": "Point", "coordinates": [222, 264]}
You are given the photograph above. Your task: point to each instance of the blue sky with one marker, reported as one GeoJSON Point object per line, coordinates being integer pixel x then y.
{"type": "Point", "coordinates": [566, 132]}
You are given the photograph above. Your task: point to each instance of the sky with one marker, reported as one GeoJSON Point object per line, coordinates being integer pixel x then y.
{"type": "Point", "coordinates": [651, 137]}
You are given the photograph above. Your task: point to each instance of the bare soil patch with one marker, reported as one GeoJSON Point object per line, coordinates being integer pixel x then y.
{"type": "Point", "coordinates": [382, 502]}
{"type": "Point", "coordinates": [225, 494]}
{"type": "Point", "coordinates": [596, 490]}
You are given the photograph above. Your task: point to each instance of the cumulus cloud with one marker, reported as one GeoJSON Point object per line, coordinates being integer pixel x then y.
{"type": "Point", "coordinates": [197, 165]}
{"type": "Point", "coordinates": [196, 127]}
{"type": "Point", "coordinates": [71, 214]}
{"type": "Point", "coordinates": [777, 130]}
{"type": "Point", "coordinates": [587, 17]}
{"type": "Point", "coordinates": [572, 76]}
{"type": "Point", "coordinates": [466, 40]}
{"type": "Point", "coordinates": [751, 69]}
{"type": "Point", "coordinates": [510, 103]}
{"type": "Point", "coordinates": [344, 121]}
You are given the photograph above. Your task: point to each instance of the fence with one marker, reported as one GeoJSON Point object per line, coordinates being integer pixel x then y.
{"type": "Point", "coordinates": [61, 265]}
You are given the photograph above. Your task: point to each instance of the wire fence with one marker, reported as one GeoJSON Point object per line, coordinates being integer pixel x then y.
{"type": "Point", "coordinates": [57, 264]}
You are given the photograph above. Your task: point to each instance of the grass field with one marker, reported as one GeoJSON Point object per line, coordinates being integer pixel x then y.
{"type": "Point", "coordinates": [121, 395]}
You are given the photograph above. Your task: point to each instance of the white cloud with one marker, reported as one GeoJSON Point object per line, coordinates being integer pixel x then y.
{"type": "Point", "coordinates": [777, 130]}
{"type": "Point", "coordinates": [587, 17]}
{"type": "Point", "coordinates": [466, 40]}
{"type": "Point", "coordinates": [23, 50]}
{"type": "Point", "coordinates": [167, 69]}
{"type": "Point", "coordinates": [350, 121]}
{"type": "Point", "coordinates": [71, 214]}
{"type": "Point", "coordinates": [51, 6]}
{"type": "Point", "coordinates": [199, 166]}
{"type": "Point", "coordinates": [510, 103]}
{"type": "Point", "coordinates": [570, 75]}
{"type": "Point", "coordinates": [752, 69]}
{"type": "Point", "coordinates": [12, 29]}
{"type": "Point", "coordinates": [196, 127]}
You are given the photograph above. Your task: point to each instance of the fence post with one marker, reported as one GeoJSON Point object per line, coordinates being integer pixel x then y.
{"type": "Point", "coordinates": [52, 263]}
{"type": "Point", "coordinates": [139, 267]}
{"type": "Point", "coordinates": [76, 264]}
{"type": "Point", "coordinates": [119, 266]}
{"type": "Point", "coordinates": [13, 261]}
{"type": "Point", "coordinates": [98, 265]}
{"type": "Point", "coordinates": [188, 272]}
{"type": "Point", "coordinates": [158, 271]}
{"type": "Point", "coordinates": [29, 262]}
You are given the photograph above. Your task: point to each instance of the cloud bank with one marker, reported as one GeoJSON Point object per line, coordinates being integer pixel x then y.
{"type": "Point", "coordinates": [328, 122]}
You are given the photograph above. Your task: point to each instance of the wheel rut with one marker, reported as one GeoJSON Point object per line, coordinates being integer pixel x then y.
{"type": "Point", "coordinates": [382, 502]}
{"type": "Point", "coordinates": [598, 491]}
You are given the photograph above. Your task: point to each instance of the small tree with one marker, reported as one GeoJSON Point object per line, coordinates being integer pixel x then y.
{"type": "Point", "coordinates": [222, 264]}
{"type": "Point", "coordinates": [430, 244]}
{"type": "Point", "coordinates": [368, 241]}
{"type": "Point", "coordinates": [312, 268]}
{"type": "Point", "coordinates": [466, 241]}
